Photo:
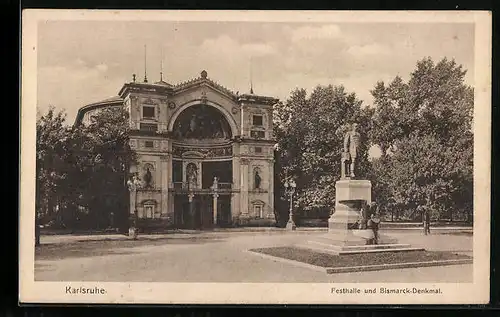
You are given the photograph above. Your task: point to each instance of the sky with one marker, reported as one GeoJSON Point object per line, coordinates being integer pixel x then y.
{"type": "Point", "coordinates": [80, 62]}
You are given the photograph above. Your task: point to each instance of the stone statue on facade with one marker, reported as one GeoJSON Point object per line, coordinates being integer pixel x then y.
{"type": "Point", "coordinates": [192, 175]}
{"type": "Point", "coordinates": [350, 152]}
{"type": "Point", "coordinates": [215, 184]}
{"type": "Point", "coordinates": [148, 178]}
{"type": "Point", "coordinates": [257, 180]}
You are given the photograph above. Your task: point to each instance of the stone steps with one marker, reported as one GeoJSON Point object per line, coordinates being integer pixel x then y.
{"type": "Point", "coordinates": [360, 247]}
{"type": "Point", "coordinates": [357, 249]}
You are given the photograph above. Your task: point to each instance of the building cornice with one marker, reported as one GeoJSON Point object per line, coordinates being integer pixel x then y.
{"type": "Point", "coordinates": [256, 99]}
{"type": "Point", "coordinates": [144, 88]}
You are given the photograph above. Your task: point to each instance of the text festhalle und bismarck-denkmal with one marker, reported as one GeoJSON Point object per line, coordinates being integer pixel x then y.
{"type": "Point", "coordinates": [385, 290]}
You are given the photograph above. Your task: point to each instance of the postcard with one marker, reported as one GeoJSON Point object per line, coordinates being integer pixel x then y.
{"type": "Point", "coordinates": [255, 157]}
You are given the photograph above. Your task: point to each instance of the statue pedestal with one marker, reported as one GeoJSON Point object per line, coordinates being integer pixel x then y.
{"type": "Point", "coordinates": [353, 189]}
{"type": "Point", "coordinates": [344, 235]}
{"type": "Point", "coordinates": [350, 196]}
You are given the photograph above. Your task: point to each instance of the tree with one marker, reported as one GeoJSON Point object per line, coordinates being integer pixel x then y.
{"type": "Point", "coordinates": [310, 132]}
{"type": "Point", "coordinates": [51, 137]}
{"type": "Point", "coordinates": [83, 167]}
{"type": "Point", "coordinates": [426, 126]}
{"type": "Point", "coordinates": [387, 118]}
{"type": "Point", "coordinates": [103, 156]}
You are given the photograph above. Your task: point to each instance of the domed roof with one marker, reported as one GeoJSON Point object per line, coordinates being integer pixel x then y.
{"type": "Point", "coordinates": [107, 100]}
{"type": "Point", "coordinates": [97, 105]}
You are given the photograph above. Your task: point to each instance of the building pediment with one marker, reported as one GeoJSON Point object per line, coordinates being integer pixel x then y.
{"type": "Point", "coordinates": [203, 82]}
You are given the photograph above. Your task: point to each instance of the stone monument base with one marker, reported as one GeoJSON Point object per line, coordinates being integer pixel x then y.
{"type": "Point", "coordinates": [330, 244]}
{"type": "Point", "coordinates": [344, 234]}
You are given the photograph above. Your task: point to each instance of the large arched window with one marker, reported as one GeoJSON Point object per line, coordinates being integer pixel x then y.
{"type": "Point", "coordinates": [201, 122]}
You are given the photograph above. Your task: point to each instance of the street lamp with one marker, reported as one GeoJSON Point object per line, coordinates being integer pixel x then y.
{"type": "Point", "coordinates": [133, 185]}
{"type": "Point", "coordinates": [290, 190]}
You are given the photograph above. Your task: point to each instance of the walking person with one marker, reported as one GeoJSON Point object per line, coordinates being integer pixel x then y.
{"type": "Point", "coordinates": [425, 218]}
{"type": "Point", "coordinates": [427, 221]}
{"type": "Point", "coordinates": [373, 224]}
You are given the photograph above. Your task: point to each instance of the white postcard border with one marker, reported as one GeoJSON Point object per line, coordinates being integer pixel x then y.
{"type": "Point", "coordinates": [258, 293]}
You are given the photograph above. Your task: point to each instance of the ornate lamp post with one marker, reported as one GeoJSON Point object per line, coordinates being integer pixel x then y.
{"type": "Point", "coordinates": [290, 190]}
{"type": "Point", "coordinates": [133, 185]}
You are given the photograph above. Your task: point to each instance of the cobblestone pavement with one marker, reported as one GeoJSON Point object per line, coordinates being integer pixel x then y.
{"type": "Point", "coordinates": [223, 257]}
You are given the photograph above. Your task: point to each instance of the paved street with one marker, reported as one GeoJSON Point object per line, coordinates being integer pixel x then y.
{"type": "Point", "coordinates": [223, 257]}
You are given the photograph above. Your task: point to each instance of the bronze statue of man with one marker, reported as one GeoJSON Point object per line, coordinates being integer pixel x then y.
{"type": "Point", "coordinates": [350, 152]}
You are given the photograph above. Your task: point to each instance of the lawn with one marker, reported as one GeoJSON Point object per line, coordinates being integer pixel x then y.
{"type": "Point", "coordinates": [348, 260]}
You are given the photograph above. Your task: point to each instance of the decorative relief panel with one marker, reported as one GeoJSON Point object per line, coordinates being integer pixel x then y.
{"type": "Point", "coordinates": [149, 101]}
{"type": "Point", "coordinates": [149, 144]}
{"type": "Point", "coordinates": [244, 149]}
{"type": "Point", "coordinates": [164, 146]}
{"type": "Point", "coordinates": [162, 127]}
{"type": "Point", "coordinates": [257, 150]}
{"type": "Point", "coordinates": [133, 144]}
{"type": "Point", "coordinates": [207, 152]}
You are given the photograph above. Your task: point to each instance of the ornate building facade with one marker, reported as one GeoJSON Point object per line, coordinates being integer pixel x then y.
{"type": "Point", "coordinates": [206, 154]}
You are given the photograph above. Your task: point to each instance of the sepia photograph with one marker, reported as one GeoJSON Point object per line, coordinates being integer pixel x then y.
{"type": "Point", "coordinates": [232, 157]}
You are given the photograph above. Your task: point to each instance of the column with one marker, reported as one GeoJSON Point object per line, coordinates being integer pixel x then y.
{"type": "Point", "coordinates": [244, 187]}
{"type": "Point", "coordinates": [215, 208]}
{"type": "Point", "coordinates": [271, 189]}
{"type": "Point", "coordinates": [171, 203]}
{"type": "Point", "coordinates": [132, 202]}
{"type": "Point", "coordinates": [164, 184]}
{"type": "Point", "coordinates": [235, 196]}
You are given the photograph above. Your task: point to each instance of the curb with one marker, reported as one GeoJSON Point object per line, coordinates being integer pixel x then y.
{"type": "Point", "coordinates": [380, 267]}
{"type": "Point", "coordinates": [365, 268]}
{"type": "Point", "coordinates": [292, 262]}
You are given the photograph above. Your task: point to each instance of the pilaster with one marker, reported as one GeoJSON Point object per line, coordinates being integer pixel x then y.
{"type": "Point", "coordinates": [244, 163]}
{"type": "Point", "coordinates": [271, 188]}
{"type": "Point", "coordinates": [164, 165]}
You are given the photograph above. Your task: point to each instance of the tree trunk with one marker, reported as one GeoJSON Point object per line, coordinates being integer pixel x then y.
{"type": "Point", "coordinates": [37, 233]}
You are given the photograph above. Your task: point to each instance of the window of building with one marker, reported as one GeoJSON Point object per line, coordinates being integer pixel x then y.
{"type": "Point", "coordinates": [258, 149]}
{"type": "Point", "coordinates": [177, 172]}
{"type": "Point", "coordinates": [149, 211]}
{"type": "Point", "coordinates": [152, 127]}
{"type": "Point", "coordinates": [148, 144]}
{"type": "Point", "coordinates": [257, 120]}
{"type": "Point", "coordinates": [258, 211]}
{"type": "Point", "coordinates": [148, 112]}
{"type": "Point", "coordinates": [257, 134]}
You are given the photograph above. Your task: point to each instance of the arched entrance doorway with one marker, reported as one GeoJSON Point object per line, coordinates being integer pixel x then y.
{"type": "Point", "coordinates": [201, 153]}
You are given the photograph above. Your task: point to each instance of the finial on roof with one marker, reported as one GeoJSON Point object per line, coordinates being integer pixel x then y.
{"type": "Point", "coordinates": [161, 65]}
{"type": "Point", "coordinates": [251, 79]}
{"type": "Point", "coordinates": [145, 66]}
{"type": "Point", "coordinates": [204, 74]}
{"type": "Point", "coordinates": [133, 78]}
